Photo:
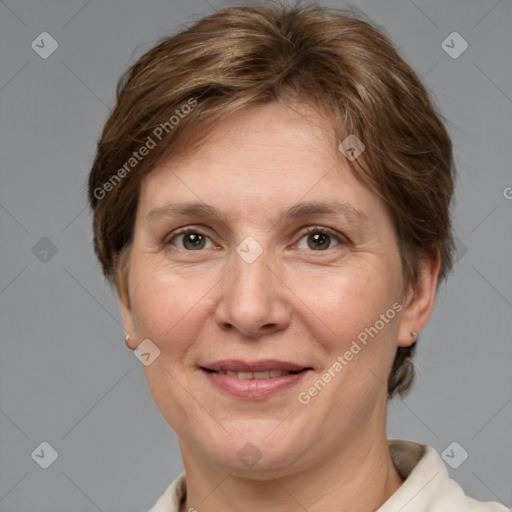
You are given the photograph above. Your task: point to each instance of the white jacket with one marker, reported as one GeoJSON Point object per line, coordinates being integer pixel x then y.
{"type": "Point", "coordinates": [427, 486]}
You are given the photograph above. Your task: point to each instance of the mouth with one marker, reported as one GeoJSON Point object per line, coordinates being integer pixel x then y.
{"type": "Point", "coordinates": [253, 380]}
{"type": "Point", "coordinates": [261, 375]}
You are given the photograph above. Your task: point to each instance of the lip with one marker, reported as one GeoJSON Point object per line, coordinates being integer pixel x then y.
{"type": "Point", "coordinates": [237, 365]}
{"type": "Point", "coordinates": [253, 389]}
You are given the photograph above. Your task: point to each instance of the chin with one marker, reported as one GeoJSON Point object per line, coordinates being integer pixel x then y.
{"type": "Point", "coordinates": [255, 448]}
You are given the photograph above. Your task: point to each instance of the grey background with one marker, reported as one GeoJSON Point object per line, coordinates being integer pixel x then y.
{"type": "Point", "coordinates": [65, 375]}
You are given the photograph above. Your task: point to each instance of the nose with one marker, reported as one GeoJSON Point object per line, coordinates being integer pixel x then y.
{"type": "Point", "coordinates": [254, 298]}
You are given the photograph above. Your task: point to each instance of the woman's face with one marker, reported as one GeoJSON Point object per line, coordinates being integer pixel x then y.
{"type": "Point", "coordinates": [288, 264]}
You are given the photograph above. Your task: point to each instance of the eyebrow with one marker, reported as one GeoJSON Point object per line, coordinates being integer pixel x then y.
{"type": "Point", "coordinates": [297, 211]}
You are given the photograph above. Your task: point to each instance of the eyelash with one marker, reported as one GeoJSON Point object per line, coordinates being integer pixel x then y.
{"type": "Point", "coordinates": [341, 239]}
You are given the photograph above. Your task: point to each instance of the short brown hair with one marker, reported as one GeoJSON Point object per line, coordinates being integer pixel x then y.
{"type": "Point", "coordinates": [252, 54]}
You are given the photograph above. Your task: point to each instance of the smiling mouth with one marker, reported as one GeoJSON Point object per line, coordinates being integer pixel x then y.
{"type": "Point", "coordinates": [259, 375]}
{"type": "Point", "coordinates": [253, 380]}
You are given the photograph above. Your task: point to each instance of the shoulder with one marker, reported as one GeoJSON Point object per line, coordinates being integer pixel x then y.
{"type": "Point", "coordinates": [428, 486]}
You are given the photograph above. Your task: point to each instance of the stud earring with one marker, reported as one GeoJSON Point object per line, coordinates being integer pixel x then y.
{"type": "Point", "coordinates": [126, 340]}
{"type": "Point", "coordinates": [414, 334]}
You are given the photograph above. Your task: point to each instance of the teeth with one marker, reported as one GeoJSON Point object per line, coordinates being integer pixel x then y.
{"type": "Point", "coordinates": [261, 375]}
{"type": "Point", "coordinates": [267, 374]}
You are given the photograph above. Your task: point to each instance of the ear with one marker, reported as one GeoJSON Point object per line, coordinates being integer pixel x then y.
{"type": "Point", "coordinates": [126, 314]}
{"type": "Point", "coordinates": [121, 279]}
{"type": "Point", "coordinates": [419, 301]}
{"type": "Point", "coordinates": [121, 282]}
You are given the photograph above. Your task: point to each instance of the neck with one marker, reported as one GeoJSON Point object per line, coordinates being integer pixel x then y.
{"type": "Point", "coordinates": [361, 479]}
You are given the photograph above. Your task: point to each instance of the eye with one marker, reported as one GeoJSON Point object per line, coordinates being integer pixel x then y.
{"type": "Point", "coordinates": [316, 239]}
{"type": "Point", "coordinates": [190, 240]}
{"type": "Point", "coordinates": [319, 239]}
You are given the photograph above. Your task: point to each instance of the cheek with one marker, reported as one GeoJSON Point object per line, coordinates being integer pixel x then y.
{"type": "Point", "coordinates": [343, 303]}
{"type": "Point", "coordinates": [166, 307]}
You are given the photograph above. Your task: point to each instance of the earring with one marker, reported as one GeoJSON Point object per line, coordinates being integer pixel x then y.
{"type": "Point", "coordinates": [414, 334]}
{"type": "Point", "coordinates": [126, 340]}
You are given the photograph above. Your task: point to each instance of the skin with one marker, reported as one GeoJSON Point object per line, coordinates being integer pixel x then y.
{"type": "Point", "coordinates": [294, 303]}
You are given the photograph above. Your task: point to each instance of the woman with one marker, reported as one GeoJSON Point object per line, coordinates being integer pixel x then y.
{"type": "Point", "coordinates": [271, 200]}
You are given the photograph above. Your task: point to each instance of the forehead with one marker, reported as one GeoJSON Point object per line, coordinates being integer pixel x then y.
{"type": "Point", "coordinates": [258, 160]}
{"type": "Point", "coordinates": [272, 132]}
